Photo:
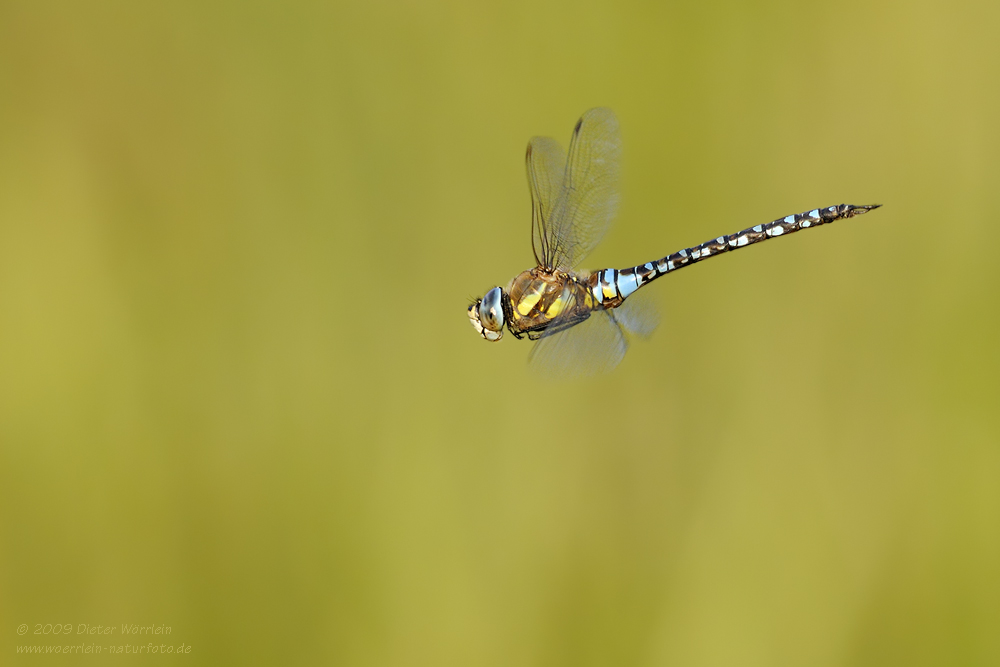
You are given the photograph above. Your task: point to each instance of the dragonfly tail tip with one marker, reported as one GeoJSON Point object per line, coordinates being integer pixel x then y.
{"type": "Point", "coordinates": [861, 210]}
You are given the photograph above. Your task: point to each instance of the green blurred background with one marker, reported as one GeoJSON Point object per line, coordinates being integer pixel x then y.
{"type": "Point", "coordinates": [240, 396]}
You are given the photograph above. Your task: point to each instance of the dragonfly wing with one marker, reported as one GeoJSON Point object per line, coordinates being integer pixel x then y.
{"type": "Point", "coordinates": [596, 345]}
{"type": "Point", "coordinates": [546, 164]}
{"type": "Point", "coordinates": [588, 198]}
{"type": "Point", "coordinates": [593, 346]}
{"type": "Point", "coordinates": [638, 314]}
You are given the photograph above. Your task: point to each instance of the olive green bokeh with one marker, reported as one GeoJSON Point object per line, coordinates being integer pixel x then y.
{"type": "Point", "coordinates": [240, 396]}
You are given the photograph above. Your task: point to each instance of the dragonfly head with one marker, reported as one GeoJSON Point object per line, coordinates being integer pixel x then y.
{"type": "Point", "coordinates": [487, 314]}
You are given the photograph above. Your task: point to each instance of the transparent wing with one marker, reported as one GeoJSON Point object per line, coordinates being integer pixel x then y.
{"type": "Point", "coordinates": [591, 347]}
{"type": "Point", "coordinates": [546, 164]}
{"type": "Point", "coordinates": [598, 344]}
{"type": "Point", "coordinates": [588, 198]}
{"type": "Point", "coordinates": [639, 315]}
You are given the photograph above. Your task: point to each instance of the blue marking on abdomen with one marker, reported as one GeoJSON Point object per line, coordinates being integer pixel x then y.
{"type": "Point", "coordinates": [627, 284]}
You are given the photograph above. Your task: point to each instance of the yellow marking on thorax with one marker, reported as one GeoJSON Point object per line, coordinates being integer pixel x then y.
{"type": "Point", "coordinates": [529, 300]}
{"type": "Point", "coordinates": [558, 305]}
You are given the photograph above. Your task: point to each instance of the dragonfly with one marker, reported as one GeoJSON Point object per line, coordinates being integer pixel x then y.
{"type": "Point", "coordinates": [581, 321]}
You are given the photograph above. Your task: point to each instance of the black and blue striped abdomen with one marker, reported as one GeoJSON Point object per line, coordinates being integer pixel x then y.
{"type": "Point", "coordinates": [610, 286]}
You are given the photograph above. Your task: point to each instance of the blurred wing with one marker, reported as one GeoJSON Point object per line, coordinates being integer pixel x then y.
{"type": "Point", "coordinates": [638, 314]}
{"type": "Point", "coordinates": [598, 344]}
{"type": "Point", "coordinates": [546, 164]}
{"type": "Point", "coordinates": [593, 346]}
{"type": "Point", "coordinates": [588, 200]}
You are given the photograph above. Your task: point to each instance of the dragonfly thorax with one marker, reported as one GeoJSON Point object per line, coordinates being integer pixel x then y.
{"type": "Point", "coordinates": [539, 296]}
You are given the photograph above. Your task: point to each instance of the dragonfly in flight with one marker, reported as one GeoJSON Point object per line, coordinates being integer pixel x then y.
{"type": "Point", "coordinates": [580, 318]}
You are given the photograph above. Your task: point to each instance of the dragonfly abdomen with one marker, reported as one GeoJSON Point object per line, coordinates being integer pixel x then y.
{"type": "Point", "coordinates": [612, 286]}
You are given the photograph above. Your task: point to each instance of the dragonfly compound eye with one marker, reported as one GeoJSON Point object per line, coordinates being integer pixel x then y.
{"type": "Point", "coordinates": [487, 315]}
{"type": "Point", "coordinates": [488, 334]}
